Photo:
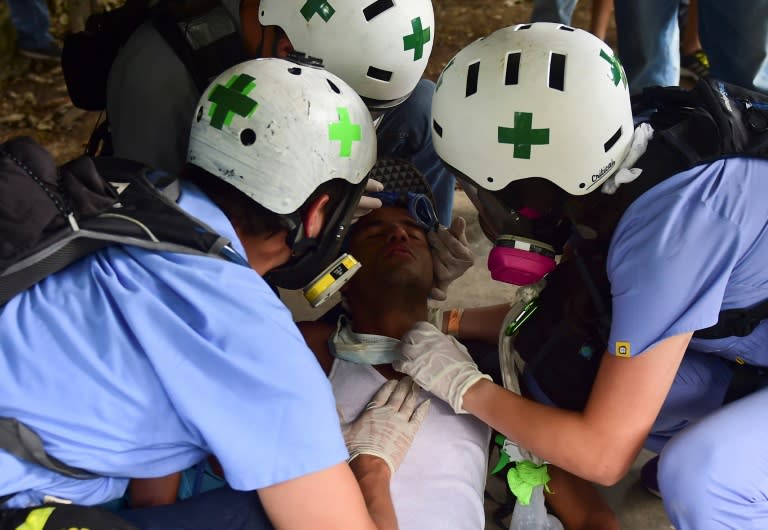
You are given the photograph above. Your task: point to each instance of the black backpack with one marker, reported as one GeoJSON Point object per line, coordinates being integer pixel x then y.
{"type": "Point", "coordinates": [200, 32]}
{"type": "Point", "coordinates": [52, 216]}
{"type": "Point", "coordinates": [563, 341]}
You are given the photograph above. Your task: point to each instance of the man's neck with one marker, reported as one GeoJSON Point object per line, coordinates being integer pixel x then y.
{"type": "Point", "coordinates": [389, 315]}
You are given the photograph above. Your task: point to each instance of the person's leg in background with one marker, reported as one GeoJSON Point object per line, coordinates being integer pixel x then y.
{"type": "Point", "coordinates": [713, 474]}
{"type": "Point", "coordinates": [600, 18]}
{"type": "Point", "coordinates": [32, 22]}
{"type": "Point", "coordinates": [648, 41]}
{"type": "Point", "coordinates": [694, 62]}
{"type": "Point", "coordinates": [219, 508]}
{"type": "Point", "coordinates": [553, 11]}
{"type": "Point", "coordinates": [406, 132]}
{"type": "Point", "coordinates": [735, 36]}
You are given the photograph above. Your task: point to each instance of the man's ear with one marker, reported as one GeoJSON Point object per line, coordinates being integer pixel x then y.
{"type": "Point", "coordinates": [314, 218]}
{"type": "Point", "coordinates": [284, 46]}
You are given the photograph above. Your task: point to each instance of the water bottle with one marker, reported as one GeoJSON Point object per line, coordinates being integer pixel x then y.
{"type": "Point", "coordinates": [534, 516]}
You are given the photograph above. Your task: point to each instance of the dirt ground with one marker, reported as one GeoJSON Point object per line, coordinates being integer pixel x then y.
{"type": "Point", "coordinates": [34, 101]}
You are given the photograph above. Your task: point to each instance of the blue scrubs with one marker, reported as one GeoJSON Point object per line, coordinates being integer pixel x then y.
{"type": "Point", "coordinates": [687, 248]}
{"type": "Point", "coordinates": [132, 363]}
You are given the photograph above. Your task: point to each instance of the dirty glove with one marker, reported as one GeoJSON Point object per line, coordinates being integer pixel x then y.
{"type": "Point", "coordinates": [388, 424]}
{"type": "Point", "coordinates": [451, 255]}
{"type": "Point", "coordinates": [438, 363]}
{"type": "Point", "coordinates": [368, 204]}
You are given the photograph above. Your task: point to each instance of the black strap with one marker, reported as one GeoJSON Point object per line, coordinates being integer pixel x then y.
{"type": "Point", "coordinates": [736, 322]}
{"type": "Point", "coordinates": [172, 34]}
{"type": "Point", "coordinates": [746, 379]}
{"type": "Point", "coordinates": [20, 441]}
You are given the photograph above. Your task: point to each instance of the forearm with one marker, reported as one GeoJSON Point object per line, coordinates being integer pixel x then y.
{"type": "Point", "coordinates": [373, 476]}
{"type": "Point", "coordinates": [154, 491]}
{"type": "Point", "coordinates": [561, 437]}
{"type": "Point", "coordinates": [478, 323]}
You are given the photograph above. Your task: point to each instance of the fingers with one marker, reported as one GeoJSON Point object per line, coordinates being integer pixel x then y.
{"type": "Point", "coordinates": [373, 185]}
{"type": "Point", "coordinates": [411, 399]}
{"type": "Point", "coordinates": [401, 391]}
{"type": "Point", "coordinates": [369, 203]}
{"type": "Point", "coordinates": [458, 229]}
{"type": "Point", "coordinates": [421, 412]}
{"type": "Point", "coordinates": [437, 294]}
{"type": "Point", "coordinates": [382, 395]}
{"type": "Point", "coordinates": [457, 249]}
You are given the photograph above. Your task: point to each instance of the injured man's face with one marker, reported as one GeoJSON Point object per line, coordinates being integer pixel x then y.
{"type": "Point", "coordinates": [393, 250]}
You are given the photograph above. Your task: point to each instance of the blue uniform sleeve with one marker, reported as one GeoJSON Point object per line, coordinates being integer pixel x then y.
{"type": "Point", "coordinates": [669, 265]}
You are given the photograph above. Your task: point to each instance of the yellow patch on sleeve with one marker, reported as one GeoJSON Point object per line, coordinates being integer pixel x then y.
{"type": "Point", "coordinates": [622, 349]}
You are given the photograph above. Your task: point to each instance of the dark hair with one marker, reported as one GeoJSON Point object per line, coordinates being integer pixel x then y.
{"type": "Point", "coordinates": [250, 216]}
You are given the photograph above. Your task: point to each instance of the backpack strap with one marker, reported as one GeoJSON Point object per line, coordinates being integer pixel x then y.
{"type": "Point", "coordinates": [735, 322]}
{"type": "Point", "coordinates": [60, 215]}
{"type": "Point", "coordinates": [23, 443]}
{"type": "Point", "coordinates": [204, 37]}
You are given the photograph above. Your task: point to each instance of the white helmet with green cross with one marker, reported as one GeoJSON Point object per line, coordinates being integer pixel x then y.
{"type": "Point", "coordinates": [379, 47]}
{"type": "Point", "coordinates": [534, 100]}
{"type": "Point", "coordinates": [277, 130]}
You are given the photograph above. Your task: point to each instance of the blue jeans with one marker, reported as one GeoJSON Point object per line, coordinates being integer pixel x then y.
{"type": "Point", "coordinates": [734, 34]}
{"type": "Point", "coordinates": [406, 132]}
{"type": "Point", "coordinates": [32, 23]}
{"type": "Point", "coordinates": [219, 508]}
{"type": "Point", "coordinates": [560, 11]}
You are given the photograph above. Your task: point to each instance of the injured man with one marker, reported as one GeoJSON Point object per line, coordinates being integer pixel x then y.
{"type": "Point", "coordinates": [441, 480]}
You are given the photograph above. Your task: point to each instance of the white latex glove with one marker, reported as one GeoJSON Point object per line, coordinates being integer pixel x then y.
{"type": "Point", "coordinates": [451, 255]}
{"type": "Point", "coordinates": [368, 204]}
{"type": "Point", "coordinates": [438, 363]}
{"type": "Point", "coordinates": [388, 424]}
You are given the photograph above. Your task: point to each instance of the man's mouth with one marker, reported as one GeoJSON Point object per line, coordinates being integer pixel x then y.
{"type": "Point", "coordinates": [398, 250]}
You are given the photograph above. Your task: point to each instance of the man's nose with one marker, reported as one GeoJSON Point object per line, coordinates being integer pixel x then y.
{"type": "Point", "coordinates": [397, 232]}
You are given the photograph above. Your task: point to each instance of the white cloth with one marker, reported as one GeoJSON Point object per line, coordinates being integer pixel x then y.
{"type": "Point", "coordinates": [626, 173]}
{"type": "Point", "coordinates": [440, 483]}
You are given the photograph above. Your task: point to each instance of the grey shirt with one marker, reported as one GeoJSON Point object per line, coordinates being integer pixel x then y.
{"type": "Point", "coordinates": [151, 99]}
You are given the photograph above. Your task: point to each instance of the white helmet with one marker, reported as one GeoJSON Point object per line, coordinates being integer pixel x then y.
{"type": "Point", "coordinates": [534, 100]}
{"type": "Point", "coordinates": [380, 48]}
{"type": "Point", "coordinates": [276, 130]}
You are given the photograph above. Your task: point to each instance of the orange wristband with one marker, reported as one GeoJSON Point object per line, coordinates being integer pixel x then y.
{"type": "Point", "coordinates": [454, 321]}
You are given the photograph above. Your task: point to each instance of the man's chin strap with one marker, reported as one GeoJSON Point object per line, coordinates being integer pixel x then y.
{"type": "Point", "coordinates": [361, 348]}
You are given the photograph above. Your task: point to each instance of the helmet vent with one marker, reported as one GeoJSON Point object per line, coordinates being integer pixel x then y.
{"type": "Point", "coordinates": [557, 71]}
{"type": "Point", "coordinates": [612, 140]}
{"type": "Point", "coordinates": [248, 137]}
{"type": "Point", "coordinates": [294, 70]}
{"type": "Point", "coordinates": [377, 8]}
{"type": "Point", "coordinates": [437, 128]}
{"type": "Point", "coordinates": [566, 28]}
{"type": "Point", "coordinates": [513, 68]}
{"type": "Point", "coordinates": [377, 73]}
{"type": "Point", "coordinates": [473, 72]}
{"type": "Point", "coordinates": [200, 114]}
{"type": "Point", "coordinates": [333, 86]}
{"type": "Point", "coordinates": [523, 26]}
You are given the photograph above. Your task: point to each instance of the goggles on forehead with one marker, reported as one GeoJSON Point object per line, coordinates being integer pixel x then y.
{"type": "Point", "coordinates": [418, 205]}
